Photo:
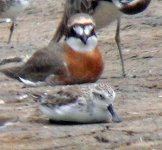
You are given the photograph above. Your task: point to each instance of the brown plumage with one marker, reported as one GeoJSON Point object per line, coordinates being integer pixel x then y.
{"type": "Point", "coordinates": [89, 6]}
{"type": "Point", "coordinates": [80, 68]}
{"type": "Point", "coordinates": [103, 12]}
{"type": "Point", "coordinates": [60, 63]}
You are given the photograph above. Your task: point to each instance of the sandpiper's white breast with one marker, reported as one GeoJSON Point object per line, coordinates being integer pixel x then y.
{"type": "Point", "coordinates": [105, 13]}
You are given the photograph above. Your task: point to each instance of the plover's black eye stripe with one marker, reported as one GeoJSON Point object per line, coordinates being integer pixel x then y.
{"type": "Point", "coordinates": [78, 30]}
{"type": "Point", "coordinates": [71, 33]}
{"type": "Point", "coordinates": [93, 33]}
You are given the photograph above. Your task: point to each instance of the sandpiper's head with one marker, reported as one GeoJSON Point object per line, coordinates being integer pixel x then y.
{"type": "Point", "coordinates": [131, 6]}
{"type": "Point", "coordinates": [81, 34]}
{"type": "Point", "coordinates": [103, 95]}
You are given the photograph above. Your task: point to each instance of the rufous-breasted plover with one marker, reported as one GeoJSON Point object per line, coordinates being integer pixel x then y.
{"type": "Point", "coordinates": [84, 103]}
{"type": "Point", "coordinates": [10, 9]}
{"type": "Point", "coordinates": [77, 60]}
{"type": "Point", "coordinates": [104, 12]}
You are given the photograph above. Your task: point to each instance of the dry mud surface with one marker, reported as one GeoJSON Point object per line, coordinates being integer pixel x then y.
{"type": "Point", "coordinates": [139, 95]}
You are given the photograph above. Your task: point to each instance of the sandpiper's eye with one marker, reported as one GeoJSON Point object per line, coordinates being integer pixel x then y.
{"type": "Point", "coordinates": [78, 30]}
{"type": "Point", "coordinates": [101, 97]}
{"type": "Point", "coordinates": [88, 29]}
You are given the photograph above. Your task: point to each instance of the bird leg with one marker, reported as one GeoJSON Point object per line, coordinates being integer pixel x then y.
{"type": "Point", "coordinates": [11, 30]}
{"type": "Point", "coordinates": [117, 39]}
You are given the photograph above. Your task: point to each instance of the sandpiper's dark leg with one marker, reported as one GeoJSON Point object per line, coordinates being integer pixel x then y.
{"type": "Point", "coordinates": [115, 117]}
{"type": "Point", "coordinates": [117, 39]}
{"type": "Point", "coordinates": [11, 30]}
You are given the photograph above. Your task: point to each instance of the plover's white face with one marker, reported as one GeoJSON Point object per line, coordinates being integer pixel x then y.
{"type": "Point", "coordinates": [82, 38]}
{"type": "Point", "coordinates": [79, 103]}
{"type": "Point", "coordinates": [81, 34]}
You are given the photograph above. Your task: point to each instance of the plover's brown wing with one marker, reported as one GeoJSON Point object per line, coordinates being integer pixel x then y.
{"type": "Point", "coordinates": [41, 64]}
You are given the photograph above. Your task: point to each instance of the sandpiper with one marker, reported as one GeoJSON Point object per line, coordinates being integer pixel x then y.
{"type": "Point", "coordinates": [10, 9]}
{"type": "Point", "coordinates": [85, 103]}
{"type": "Point", "coordinates": [104, 12]}
{"type": "Point", "coordinates": [77, 60]}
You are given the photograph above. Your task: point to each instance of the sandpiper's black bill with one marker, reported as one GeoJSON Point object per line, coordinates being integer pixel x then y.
{"type": "Point", "coordinates": [115, 117]}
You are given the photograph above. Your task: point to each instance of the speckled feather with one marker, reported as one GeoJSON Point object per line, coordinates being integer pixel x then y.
{"type": "Point", "coordinates": [85, 103]}
{"type": "Point", "coordinates": [70, 93]}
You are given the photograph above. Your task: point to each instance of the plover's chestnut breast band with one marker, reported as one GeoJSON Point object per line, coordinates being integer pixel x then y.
{"type": "Point", "coordinates": [134, 7]}
{"type": "Point", "coordinates": [86, 67]}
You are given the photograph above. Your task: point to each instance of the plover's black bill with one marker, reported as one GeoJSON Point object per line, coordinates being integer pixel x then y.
{"type": "Point", "coordinates": [115, 117]}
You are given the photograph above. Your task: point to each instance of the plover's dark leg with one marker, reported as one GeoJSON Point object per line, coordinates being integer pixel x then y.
{"type": "Point", "coordinates": [115, 117]}
{"type": "Point", "coordinates": [11, 30]}
{"type": "Point", "coordinates": [117, 39]}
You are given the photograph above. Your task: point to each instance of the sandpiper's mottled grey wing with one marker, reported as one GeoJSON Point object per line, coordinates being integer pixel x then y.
{"type": "Point", "coordinates": [58, 98]}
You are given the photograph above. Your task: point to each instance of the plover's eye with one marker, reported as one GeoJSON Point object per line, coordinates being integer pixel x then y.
{"type": "Point", "coordinates": [78, 30]}
{"type": "Point", "coordinates": [88, 29]}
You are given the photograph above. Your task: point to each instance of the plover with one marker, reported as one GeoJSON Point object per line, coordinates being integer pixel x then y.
{"type": "Point", "coordinates": [10, 9]}
{"type": "Point", "coordinates": [104, 12]}
{"type": "Point", "coordinates": [77, 60]}
{"type": "Point", "coordinates": [85, 103]}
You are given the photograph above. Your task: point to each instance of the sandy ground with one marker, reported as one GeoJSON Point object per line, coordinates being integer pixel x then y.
{"type": "Point", "coordinates": [139, 96]}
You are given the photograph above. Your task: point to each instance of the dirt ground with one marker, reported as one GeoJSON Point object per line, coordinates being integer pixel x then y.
{"type": "Point", "coordinates": [139, 95]}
